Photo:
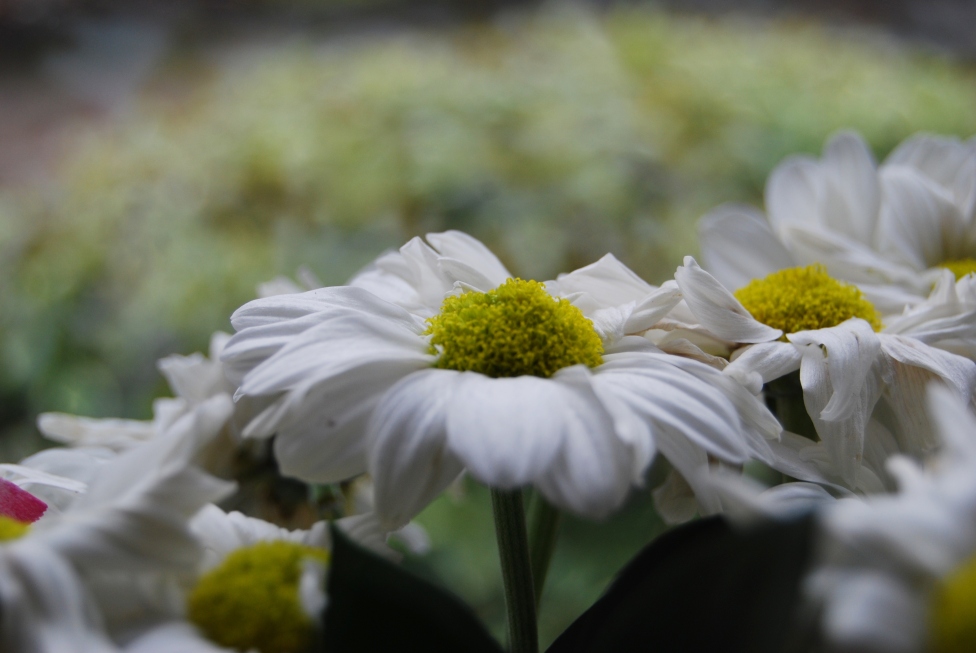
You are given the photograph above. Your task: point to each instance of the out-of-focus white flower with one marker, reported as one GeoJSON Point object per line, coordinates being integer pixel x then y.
{"type": "Point", "coordinates": [897, 573]}
{"type": "Point", "coordinates": [130, 520]}
{"type": "Point", "coordinates": [864, 390]}
{"type": "Point", "coordinates": [258, 587]}
{"type": "Point", "coordinates": [194, 379]}
{"type": "Point", "coordinates": [390, 375]}
{"type": "Point", "coordinates": [891, 230]}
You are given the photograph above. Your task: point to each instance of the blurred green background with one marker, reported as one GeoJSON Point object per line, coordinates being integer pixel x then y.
{"type": "Point", "coordinates": [555, 135]}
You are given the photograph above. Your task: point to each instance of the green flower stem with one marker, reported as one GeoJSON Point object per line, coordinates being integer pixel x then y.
{"type": "Point", "coordinates": [543, 528]}
{"type": "Point", "coordinates": [513, 549]}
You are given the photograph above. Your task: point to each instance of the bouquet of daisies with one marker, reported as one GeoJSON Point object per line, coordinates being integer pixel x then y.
{"type": "Point", "coordinates": [830, 342]}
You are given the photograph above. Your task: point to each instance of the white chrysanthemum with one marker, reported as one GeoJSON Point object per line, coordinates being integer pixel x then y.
{"type": "Point", "coordinates": [863, 390]}
{"type": "Point", "coordinates": [193, 379]}
{"type": "Point", "coordinates": [890, 230]}
{"type": "Point", "coordinates": [898, 573]}
{"type": "Point", "coordinates": [434, 361]}
{"type": "Point", "coordinates": [258, 587]}
{"type": "Point", "coordinates": [131, 521]}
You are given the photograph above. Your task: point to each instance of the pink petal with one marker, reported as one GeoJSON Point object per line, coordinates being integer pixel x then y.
{"type": "Point", "coordinates": [19, 504]}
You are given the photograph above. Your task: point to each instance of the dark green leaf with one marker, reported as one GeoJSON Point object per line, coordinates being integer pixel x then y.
{"type": "Point", "coordinates": [374, 605]}
{"type": "Point", "coordinates": [706, 586]}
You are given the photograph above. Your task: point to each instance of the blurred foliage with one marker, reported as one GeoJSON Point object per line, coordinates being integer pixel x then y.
{"type": "Point", "coordinates": [553, 136]}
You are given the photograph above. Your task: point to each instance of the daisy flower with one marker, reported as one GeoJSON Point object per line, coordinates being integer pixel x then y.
{"type": "Point", "coordinates": [889, 229]}
{"type": "Point", "coordinates": [131, 521]}
{"type": "Point", "coordinates": [862, 385]}
{"type": "Point", "coordinates": [193, 379]}
{"type": "Point", "coordinates": [897, 573]}
{"type": "Point", "coordinates": [435, 360]}
{"type": "Point", "coordinates": [257, 587]}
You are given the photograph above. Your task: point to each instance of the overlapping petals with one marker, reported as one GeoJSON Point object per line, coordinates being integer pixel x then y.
{"type": "Point", "coordinates": [884, 556]}
{"type": "Point", "coordinates": [132, 518]}
{"type": "Point", "coordinates": [352, 386]}
{"type": "Point", "coordinates": [849, 373]}
{"type": "Point", "coordinates": [886, 228]}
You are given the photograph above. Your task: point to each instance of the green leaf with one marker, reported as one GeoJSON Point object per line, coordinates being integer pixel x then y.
{"type": "Point", "coordinates": [374, 605]}
{"type": "Point", "coordinates": [705, 586]}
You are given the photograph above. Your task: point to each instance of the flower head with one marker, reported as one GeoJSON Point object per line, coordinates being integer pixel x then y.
{"type": "Point", "coordinates": [435, 360]}
{"type": "Point", "coordinates": [252, 600]}
{"type": "Point", "coordinates": [863, 388]}
{"type": "Point", "coordinates": [896, 571]}
{"type": "Point", "coordinates": [890, 229]}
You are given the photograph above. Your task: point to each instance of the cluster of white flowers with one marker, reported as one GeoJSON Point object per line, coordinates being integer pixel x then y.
{"type": "Point", "coordinates": [808, 344]}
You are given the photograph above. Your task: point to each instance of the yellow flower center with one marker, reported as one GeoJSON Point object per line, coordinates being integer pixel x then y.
{"type": "Point", "coordinates": [800, 299]}
{"type": "Point", "coordinates": [517, 329]}
{"type": "Point", "coordinates": [953, 616]}
{"type": "Point", "coordinates": [961, 267]}
{"type": "Point", "coordinates": [251, 601]}
{"type": "Point", "coordinates": [11, 529]}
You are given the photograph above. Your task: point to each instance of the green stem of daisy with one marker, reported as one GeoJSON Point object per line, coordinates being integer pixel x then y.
{"type": "Point", "coordinates": [543, 528]}
{"type": "Point", "coordinates": [513, 549]}
{"type": "Point", "coordinates": [786, 394]}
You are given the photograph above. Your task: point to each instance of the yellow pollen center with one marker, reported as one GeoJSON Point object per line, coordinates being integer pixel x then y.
{"type": "Point", "coordinates": [800, 299]}
{"type": "Point", "coordinates": [11, 529]}
{"type": "Point", "coordinates": [953, 617]}
{"type": "Point", "coordinates": [251, 601]}
{"type": "Point", "coordinates": [961, 267]}
{"type": "Point", "coordinates": [517, 329]}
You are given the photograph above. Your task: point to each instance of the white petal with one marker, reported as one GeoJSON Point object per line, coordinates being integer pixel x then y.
{"type": "Point", "coordinates": [172, 636]}
{"type": "Point", "coordinates": [409, 458]}
{"type": "Point", "coordinates": [321, 427]}
{"type": "Point", "coordinates": [761, 363]}
{"type": "Point", "coordinates": [340, 342]}
{"type": "Point", "coordinates": [193, 377]}
{"type": "Point", "coordinates": [648, 311]}
{"type": "Point", "coordinates": [920, 226]}
{"type": "Point", "coordinates": [390, 278]}
{"type": "Point", "coordinates": [852, 197]}
{"type": "Point", "coordinates": [691, 462]}
{"type": "Point", "coordinates": [873, 612]}
{"type": "Point", "coordinates": [471, 254]}
{"type": "Point", "coordinates": [946, 161]}
{"type": "Point", "coordinates": [45, 605]}
{"type": "Point", "coordinates": [846, 258]}
{"type": "Point", "coordinates": [265, 326]}
{"type": "Point", "coordinates": [850, 350]}
{"type": "Point", "coordinates": [86, 431]}
{"type": "Point", "coordinates": [717, 309]}
{"type": "Point", "coordinates": [793, 193]}
{"type": "Point", "coordinates": [603, 454]}
{"type": "Point", "coordinates": [508, 431]}
{"type": "Point", "coordinates": [678, 403]}
{"type": "Point", "coordinates": [134, 513]}
{"type": "Point", "coordinates": [604, 284]}
{"type": "Point", "coordinates": [912, 367]}
{"type": "Point", "coordinates": [367, 531]}
{"type": "Point", "coordinates": [675, 500]}
{"type": "Point", "coordinates": [311, 588]}
{"type": "Point", "coordinates": [954, 421]}
{"type": "Point", "coordinates": [738, 245]}
{"type": "Point", "coordinates": [840, 389]}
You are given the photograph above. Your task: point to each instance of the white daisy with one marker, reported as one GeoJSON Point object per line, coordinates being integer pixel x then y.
{"type": "Point", "coordinates": [193, 379]}
{"type": "Point", "coordinates": [258, 587]}
{"type": "Point", "coordinates": [435, 360]}
{"type": "Point", "coordinates": [130, 521]}
{"type": "Point", "coordinates": [898, 573]}
{"type": "Point", "coordinates": [889, 229]}
{"type": "Point", "coordinates": [862, 388]}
